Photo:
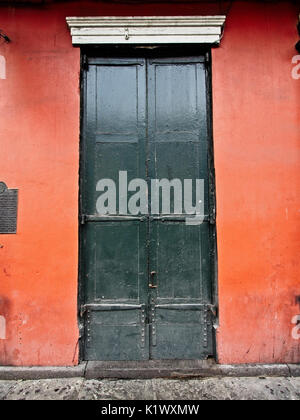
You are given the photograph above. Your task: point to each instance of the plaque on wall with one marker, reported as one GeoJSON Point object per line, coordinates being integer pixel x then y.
{"type": "Point", "coordinates": [8, 209]}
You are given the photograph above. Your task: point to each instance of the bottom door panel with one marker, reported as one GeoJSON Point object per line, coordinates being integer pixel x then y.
{"type": "Point", "coordinates": [116, 332]}
{"type": "Point", "coordinates": [181, 332]}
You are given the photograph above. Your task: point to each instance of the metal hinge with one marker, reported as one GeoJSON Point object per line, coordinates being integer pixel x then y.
{"type": "Point", "coordinates": [212, 218]}
{"type": "Point", "coordinates": [85, 63]}
{"type": "Point", "coordinates": [82, 311]}
{"type": "Point", "coordinates": [207, 58]}
{"type": "Point", "coordinates": [213, 309]}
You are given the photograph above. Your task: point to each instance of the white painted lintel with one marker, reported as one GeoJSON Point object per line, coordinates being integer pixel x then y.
{"type": "Point", "coordinates": [146, 30]}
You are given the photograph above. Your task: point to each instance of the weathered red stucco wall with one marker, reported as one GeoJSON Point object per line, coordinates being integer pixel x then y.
{"type": "Point", "coordinates": [257, 157]}
{"type": "Point", "coordinates": [39, 132]}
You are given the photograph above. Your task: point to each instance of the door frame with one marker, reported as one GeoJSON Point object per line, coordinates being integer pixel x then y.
{"type": "Point", "coordinates": [85, 52]}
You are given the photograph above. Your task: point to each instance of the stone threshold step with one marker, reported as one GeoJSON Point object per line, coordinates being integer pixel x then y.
{"type": "Point", "coordinates": [173, 369]}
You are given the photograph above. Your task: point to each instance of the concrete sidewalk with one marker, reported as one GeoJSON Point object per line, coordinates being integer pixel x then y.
{"type": "Point", "coordinates": [255, 388]}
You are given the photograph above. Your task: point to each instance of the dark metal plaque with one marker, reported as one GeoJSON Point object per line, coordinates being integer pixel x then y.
{"type": "Point", "coordinates": [8, 209]}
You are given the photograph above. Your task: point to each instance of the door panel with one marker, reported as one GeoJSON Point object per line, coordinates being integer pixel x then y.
{"type": "Point", "coordinates": [180, 333]}
{"type": "Point", "coordinates": [178, 261]}
{"type": "Point", "coordinates": [117, 103]}
{"type": "Point", "coordinates": [116, 333]}
{"type": "Point", "coordinates": [118, 144]}
{"type": "Point", "coordinates": [181, 322]}
{"type": "Point", "coordinates": [120, 252]}
{"type": "Point", "coordinates": [178, 149]}
{"type": "Point", "coordinates": [175, 108]}
{"type": "Point", "coordinates": [147, 279]}
{"type": "Point", "coordinates": [114, 248]}
{"type": "Point", "coordinates": [181, 259]}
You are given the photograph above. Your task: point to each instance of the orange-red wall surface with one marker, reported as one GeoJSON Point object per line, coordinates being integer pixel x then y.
{"type": "Point", "coordinates": [256, 119]}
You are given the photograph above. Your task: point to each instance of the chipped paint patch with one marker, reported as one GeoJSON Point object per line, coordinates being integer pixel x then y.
{"type": "Point", "coordinates": [2, 67]}
{"type": "Point", "coordinates": [296, 69]}
{"type": "Point", "coordinates": [296, 329]}
{"type": "Point", "coordinates": [2, 328]}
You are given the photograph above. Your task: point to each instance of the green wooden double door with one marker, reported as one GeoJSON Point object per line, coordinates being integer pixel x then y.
{"type": "Point", "coordinates": [147, 279]}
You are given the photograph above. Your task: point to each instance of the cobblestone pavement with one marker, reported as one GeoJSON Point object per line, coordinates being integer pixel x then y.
{"type": "Point", "coordinates": [153, 389]}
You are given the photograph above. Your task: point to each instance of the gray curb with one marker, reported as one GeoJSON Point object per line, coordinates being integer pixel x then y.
{"type": "Point", "coordinates": [41, 372]}
{"type": "Point", "coordinates": [149, 370]}
{"type": "Point", "coordinates": [295, 370]}
{"type": "Point", "coordinates": [100, 370]}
